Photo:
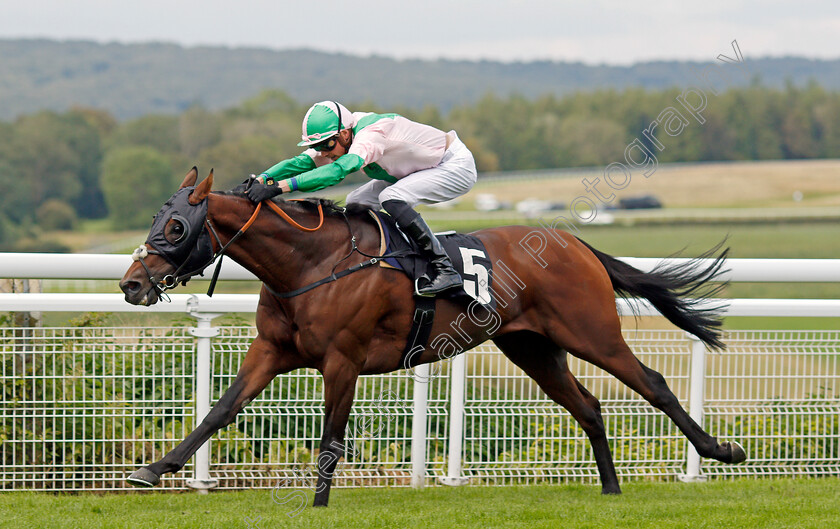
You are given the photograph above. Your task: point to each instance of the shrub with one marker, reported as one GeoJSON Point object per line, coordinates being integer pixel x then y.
{"type": "Point", "coordinates": [55, 214]}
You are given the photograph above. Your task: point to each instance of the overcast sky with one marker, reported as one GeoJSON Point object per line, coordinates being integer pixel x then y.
{"type": "Point", "coordinates": [592, 31]}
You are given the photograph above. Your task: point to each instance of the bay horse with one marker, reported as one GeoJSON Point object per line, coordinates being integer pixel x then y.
{"type": "Point", "coordinates": [358, 325]}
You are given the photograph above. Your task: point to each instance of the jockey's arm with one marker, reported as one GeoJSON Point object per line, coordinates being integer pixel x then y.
{"type": "Point", "coordinates": [321, 177]}
{"type": "Point", "coordinates": [291, 167]}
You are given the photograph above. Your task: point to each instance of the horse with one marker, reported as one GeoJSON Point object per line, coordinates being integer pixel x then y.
{"type": "Point", "coordinates": [558, 301]}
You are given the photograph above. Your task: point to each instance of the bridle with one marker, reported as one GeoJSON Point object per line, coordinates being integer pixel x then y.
{"type": "Point", "coordinates": [199, 247]}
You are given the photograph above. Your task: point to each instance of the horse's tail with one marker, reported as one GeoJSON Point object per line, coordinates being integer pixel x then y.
{"type": "Point", "coordinates": [668, 288]}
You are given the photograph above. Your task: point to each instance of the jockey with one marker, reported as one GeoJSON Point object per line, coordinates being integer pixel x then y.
{"type": "Point", "coordinates": [409, 163]}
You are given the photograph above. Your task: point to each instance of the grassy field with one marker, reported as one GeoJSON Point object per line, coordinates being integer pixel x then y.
{"type": "Point", "coordinates": [766, 504]}
{"type": "Point", "coordinates": [704, 185]}
{"type": "Point", "coordinates": [767, 240]}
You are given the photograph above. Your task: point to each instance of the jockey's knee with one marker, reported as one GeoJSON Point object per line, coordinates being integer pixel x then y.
{"type": "Point", "coordinates": [400, 211]}
{"type": "Point", "coordinates": [362, 199]}
{"type": "Point", "coordinates": [391, 194]}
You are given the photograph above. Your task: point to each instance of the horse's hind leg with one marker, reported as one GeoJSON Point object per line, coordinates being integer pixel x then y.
{"type": "Point", "coordinates": [611, 353]}
{"type": "Point", "coordinates": [546, 363]}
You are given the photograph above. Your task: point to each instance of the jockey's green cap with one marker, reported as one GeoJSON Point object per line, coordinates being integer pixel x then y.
{"type": "Point", "coordinates": [323, 121]}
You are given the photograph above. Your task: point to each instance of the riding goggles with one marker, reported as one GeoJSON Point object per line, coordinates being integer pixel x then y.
{"type": "Point", "coordinates": [326, 145]}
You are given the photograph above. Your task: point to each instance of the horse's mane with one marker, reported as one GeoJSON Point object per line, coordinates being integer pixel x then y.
{"type": "Point", "coordinates": [331, 207]}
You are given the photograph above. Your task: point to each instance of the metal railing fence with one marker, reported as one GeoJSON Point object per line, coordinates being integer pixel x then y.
{"type": "Point", "coordinates": [84, 406]}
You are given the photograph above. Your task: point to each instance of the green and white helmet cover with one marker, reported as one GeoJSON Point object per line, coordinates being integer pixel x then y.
{"type": "Point", "coordinates": [323, 121]}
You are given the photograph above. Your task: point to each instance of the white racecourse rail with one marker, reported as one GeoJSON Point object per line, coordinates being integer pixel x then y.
{"type": "Point", "coordinates": [84, 406]}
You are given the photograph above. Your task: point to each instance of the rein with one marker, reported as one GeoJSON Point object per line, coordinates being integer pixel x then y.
{"type": "Point", "coordinates": [277, 209]}
{"type": "Point", "coordinates": [221, 253]}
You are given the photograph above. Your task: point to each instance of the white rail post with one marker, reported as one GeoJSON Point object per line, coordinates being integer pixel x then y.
{"type": "Point", "coordinates": [204, 332]}
{"type": "Point", "coordinates": [418, 426]}
{"type": "Point", "coordinates": [696, 401]}
{"type": "Point", "coordinates": [456, 422]}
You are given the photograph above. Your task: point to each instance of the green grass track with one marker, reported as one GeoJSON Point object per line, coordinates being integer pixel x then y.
{"type": "Point", "coordinates": [745, 503]}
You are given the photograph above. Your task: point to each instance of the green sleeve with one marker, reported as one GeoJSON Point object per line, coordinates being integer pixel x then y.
{"type": "Point", "coordinates": [326, 175]}
{"type": "Point", "coordinates": [291, 167]}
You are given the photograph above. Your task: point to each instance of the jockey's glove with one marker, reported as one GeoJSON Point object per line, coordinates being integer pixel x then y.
{"type": "Point", "coordinates": [245, 185]}
{"type": "Point", "coordinates": [259, 191]}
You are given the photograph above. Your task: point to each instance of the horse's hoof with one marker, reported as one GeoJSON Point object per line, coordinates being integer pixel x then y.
{"type": "Point", "coordinates": [143, 478]}
{"type": "Point", "coordinates": [739, 455]}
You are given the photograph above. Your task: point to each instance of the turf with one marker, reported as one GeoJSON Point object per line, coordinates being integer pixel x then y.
{"type": "Point", "coordinates": [769, 504]}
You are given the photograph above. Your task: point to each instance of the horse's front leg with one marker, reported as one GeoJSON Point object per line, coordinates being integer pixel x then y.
{"type": "Point", "coordinates": [339, 387]}
{"type": "Point", "coordinates": [262, 363]}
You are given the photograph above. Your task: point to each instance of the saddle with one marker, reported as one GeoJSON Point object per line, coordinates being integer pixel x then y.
{"type": "Point", "coordinates": [470, 259]}
{"type": "Point", "coordinates": [467, 252]}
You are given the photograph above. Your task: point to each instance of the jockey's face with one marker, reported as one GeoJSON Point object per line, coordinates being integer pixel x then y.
{"type": "Point", "coordinates": [345, 139]}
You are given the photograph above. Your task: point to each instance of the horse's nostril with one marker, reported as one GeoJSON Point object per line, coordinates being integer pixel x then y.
{"type": "Point", "coordinates": [130, 287]}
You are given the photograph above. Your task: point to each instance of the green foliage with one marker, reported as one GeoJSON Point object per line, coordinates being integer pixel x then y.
{"type": "Point", "coordinates": [89, 319]}
{"type": "Point", "coordinates": [792, 432]}
{"type": "Point", "coordinates": [593, 128]}
{"type": "Point", "coordinates": [50, 156]}
{"type": "Point", "coordinates": [7, 236]}
{"type": "Point", "coordinates": [136, 181]}
{"type": "Point", "coordinates": [198, 129]}
{"type": "Point", "coordinates": [234, 160]}
{"type": "Point", "coordinates": [268, 103]}
{"type": "Point", "coordinates": [155, 131]}
{"type": "Point", "coordinates": [581, 141]}
{"type": "Point", "coordinates": [39, 245]}
{"type": "Point", "coordinates": [97, 118]}
{"type": "Point", "coordinates": [55, 214]}
{"type": "Point", "coordinates": [139, 79]}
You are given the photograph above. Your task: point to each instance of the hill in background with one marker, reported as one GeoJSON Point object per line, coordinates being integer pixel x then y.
{"type": "Point", "coordinates": [131, 80]}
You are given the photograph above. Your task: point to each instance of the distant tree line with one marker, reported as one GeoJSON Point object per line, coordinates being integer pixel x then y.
{"type": "Point", "coordinates": [57, 168]}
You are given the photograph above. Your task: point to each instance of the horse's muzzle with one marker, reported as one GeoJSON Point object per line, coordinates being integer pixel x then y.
{"type": "Point", "coordinates": [138, 293]}
{"type": "Point", "coordinates": [136, 287]}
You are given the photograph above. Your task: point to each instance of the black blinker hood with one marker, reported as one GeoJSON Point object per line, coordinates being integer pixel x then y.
{"type": "Point", "coordinates": [193, 251]}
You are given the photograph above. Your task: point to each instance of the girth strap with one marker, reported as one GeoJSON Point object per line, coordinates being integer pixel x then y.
{"type": "Point", "coordinates": [421, 329]}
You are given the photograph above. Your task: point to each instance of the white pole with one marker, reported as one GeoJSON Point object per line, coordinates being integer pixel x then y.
{"type": "Point", "coordinates": [204, 333]}
{"type": "Point", "coordinates": [418, 426]}
{"type": "Point", "coordinates": [696, 401]}
{"type": "Point", "coordinates": [456, 421]}
{"type": "Point", "coordinates": [107, 266]}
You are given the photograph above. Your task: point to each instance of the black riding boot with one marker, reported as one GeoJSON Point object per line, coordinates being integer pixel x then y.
{"type": "Point", "coordinates": [412, 224]}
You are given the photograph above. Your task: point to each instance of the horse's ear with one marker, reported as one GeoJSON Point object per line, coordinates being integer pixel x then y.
{"type": "Point", "coordinates": [202, 189]}
{"type": "Point", "coordinates": [190, 179]}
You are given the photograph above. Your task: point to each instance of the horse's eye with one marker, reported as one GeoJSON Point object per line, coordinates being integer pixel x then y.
{"type": "Point", "coordinates": [178, 231]}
